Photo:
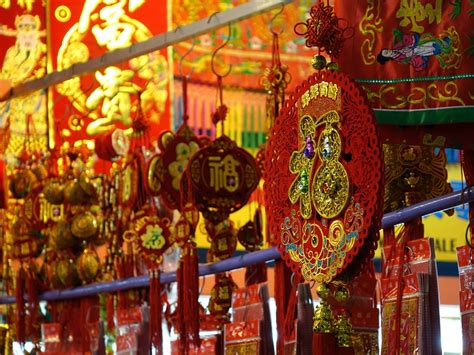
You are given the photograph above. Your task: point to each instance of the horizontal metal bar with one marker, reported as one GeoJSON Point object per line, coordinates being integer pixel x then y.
{"type": "Point", "coordinates": [165, 277]}
{"type": "Point", "coordinates": [390, 219]}
{"type": "Point", "coordinates": [163, 40]}
{"type": "Point", "coordinates": [429, 206]}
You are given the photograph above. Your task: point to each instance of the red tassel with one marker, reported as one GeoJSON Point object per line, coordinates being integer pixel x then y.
{"type": "Point", "coordinates": [156, 310]}
{"type": "Point", "coordinates": [191, 275]}
{"type": "Point", "coordinates": [110, 312]}
{"type": "Point", "coordinates": [282, 292]}
{"type": "Point", "coordinates": [188, 299]}
{"type": "Point", "coordinates": [290, 315]}
{"type": "Point", "coordinates": [181, 328]}
{"type": "Point", "coordinates": [20, 306]}
{"type": "Point", "coordinates": [32, 291]}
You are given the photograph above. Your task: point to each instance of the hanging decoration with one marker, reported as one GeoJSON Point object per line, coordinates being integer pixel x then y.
{"type": "Point", "coordinates": [152, 237]}
{"type": "Point", "coordinates": [322, 141]}
{"type": "Point", "coordinates": [175, 188]}
{"type": "Point", "coordinates": [323, 173]}
{"type": "Point", "coordinates": [223, 176]}
{"type": "Point", "coordinates": [166, 168]}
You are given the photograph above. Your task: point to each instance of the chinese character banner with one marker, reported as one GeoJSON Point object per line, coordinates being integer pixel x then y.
{"type": "Point", "coordinates": [414, 58]}
{"type": "Point", "coordinates": [89, 106]}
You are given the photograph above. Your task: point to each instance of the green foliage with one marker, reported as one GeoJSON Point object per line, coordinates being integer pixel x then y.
{"type": "Point", "coordinates": [456, 11]}
{"type": "Point", "coordinates": [470, 49]}
{"type": "Point", "coordinates": [397, 36]}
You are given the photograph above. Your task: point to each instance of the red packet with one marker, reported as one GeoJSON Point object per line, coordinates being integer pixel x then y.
{"type": "Point", "coordinates": [208, 347]}
{"type": "Point", "coordinates": [251, 303]}
{"type": "Point", "coordinates": [413, 327]}
{"type": "Point", "coordinates": [51, 334]}
{"type": "Point", "coordinates": [127, 344]}
{"type": "Point", "coordinates": [420, 258]}
{"type": "Point", "coordinates": [362, 307]}
{"type": "Point", "coordinates": [130, 324]}
{"type": "Point", "coordinates": [247, 304]}
{"type": "Point", "coordinates": [365, 338]}
{"type": "Point", "coordinates": [466, 296]}
{"type": "Point", "coordinates": [243, 338]}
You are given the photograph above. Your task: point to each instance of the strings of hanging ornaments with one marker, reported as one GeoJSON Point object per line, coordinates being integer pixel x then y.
{"type": "Point", "coordinates": [220, 179]}
{"type": "Point", "coordinates": [275, 80]}
{"type": "Point", "coordinates": [166, 178]}
{"type": "Point", "coordinates": [323, 180]}
{"type": "Point", "coordinates": [24, 236]}
{"type": "Point", "coordinates": [146, 232]}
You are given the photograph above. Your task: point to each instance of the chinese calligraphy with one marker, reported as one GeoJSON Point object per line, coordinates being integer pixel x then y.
{"type": "Point", "coordinates": [322, 89]}
{"type": "Point", "coordinates": [413, 11]}
{"type": "Point", "coordinates": [224, 173]}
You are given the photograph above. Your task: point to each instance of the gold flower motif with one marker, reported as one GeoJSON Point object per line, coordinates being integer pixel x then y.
{"type": "Point", "coordinates": [184, 151]}
{"type": "Point", "coordinates": [153, 237]}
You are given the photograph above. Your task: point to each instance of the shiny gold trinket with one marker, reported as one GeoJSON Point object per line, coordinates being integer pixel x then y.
{"type": "Point", "coordinates": [84, 225]}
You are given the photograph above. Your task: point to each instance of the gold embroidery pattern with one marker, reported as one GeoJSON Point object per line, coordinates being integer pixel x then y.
{"type": "Point", "coordinates": [368, 26]}
{"type": "Point", "coordinates": [319, 250]}
{"type": "Point", "coordinates": [390, 95]}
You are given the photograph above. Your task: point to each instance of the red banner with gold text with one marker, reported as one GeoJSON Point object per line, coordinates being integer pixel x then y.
{"type": "Point", "coordinates": [89, 106]}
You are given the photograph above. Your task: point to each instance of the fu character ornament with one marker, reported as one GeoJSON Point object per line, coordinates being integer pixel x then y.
{"type": "Point", "coordinates": [324, 170]}
{"type": "Point", "coordinates": [152, 237]}
{"type": "Point", "coordinates": [165, 169]}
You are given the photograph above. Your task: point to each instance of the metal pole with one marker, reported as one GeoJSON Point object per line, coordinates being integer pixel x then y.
{"type": "Point", "coordinates": [390, 219]}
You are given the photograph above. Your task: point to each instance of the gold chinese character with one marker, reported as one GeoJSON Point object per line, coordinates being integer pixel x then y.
{"type": "Point", "coordinates": [223, 173]}
{"type": "Point", "coordinates": [5, 4]}
{"type": "Point", "coordinates": [412, 12]}
{"type": "Point", "coordinates": [332, 91]}
{"type": "Point", "coordinates": [314, 91]}
{"type": "Point", "coordinates": [113, 32]}
{"type": "Point", "coordinates": [28, 4]}
{"type": "Point", "coordinates": [114, 93]}
{"type": "Point", "coordinates": [323, 89]}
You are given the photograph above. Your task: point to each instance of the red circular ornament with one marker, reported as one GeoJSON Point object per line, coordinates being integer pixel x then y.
{"type": "Point", "coordinates": [111, 146]}
{"type": "Point", "coordinates": [323, 176]}
{"type": "Point", "coordinates": [223, 176]}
